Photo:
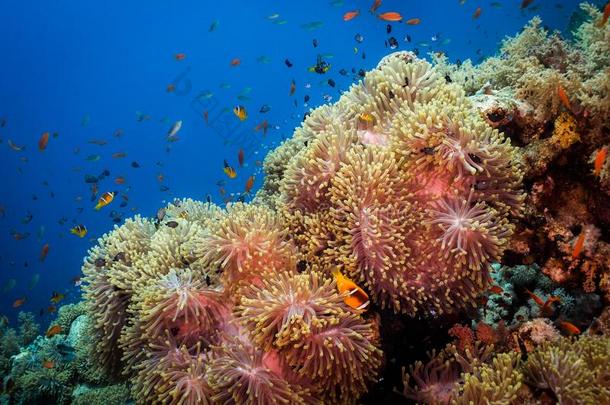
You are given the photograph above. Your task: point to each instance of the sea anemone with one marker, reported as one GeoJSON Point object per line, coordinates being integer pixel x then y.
{"type": "Point", "coordinates": [435, 382]}
{"type": "Point", "coordinates": [246, 243]}
{"type": "Point", "coordinates": [237, 375]}
{"type": "Point", "coordinates": [471, 230]}
{"type": "Point", "coordinates": [307, 178]}
{"type": "Point", "coordinates": [339, 358]}
{"type": "Point", "coordinates": [176, 307]}
{"type": "Point", "coordinates": [109, 279]}
{"type": "Point", "coordinates": [283, 310]}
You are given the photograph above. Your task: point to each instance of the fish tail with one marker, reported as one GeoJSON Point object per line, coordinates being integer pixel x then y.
{"type": "Point", "coordinates": [336, 272]}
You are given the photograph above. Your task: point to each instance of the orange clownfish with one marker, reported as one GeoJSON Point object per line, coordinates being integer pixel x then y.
{"type": "Point", "coordinates": [354, 296]}
{"type": "Point", "coordinates": [240, 112]}
{"type": "Point", "coordinates": [79, 230]}
{"type": "Point", "coordinates": [104, 200]}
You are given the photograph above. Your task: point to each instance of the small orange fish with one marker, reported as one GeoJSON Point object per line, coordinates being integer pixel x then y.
{"type": "Point", "coordinates": [563, 97]}
{"type": "Point", "coordinates": [413, 21]}
{"type": "Point", "coordinates": [264, 126]}
{"type": "Point", "coordinates": [51, 309]}
{"type": "Point", "coordinates": [170, 88]}
{"type": "Point", "coordinates": [390, 16]}
{"type": "Point", "coordinates": [569, 328]}
{"type": "Point", "coordinates": [578, 245]}
{"type": "Point", "coordinates": [180, 56]}
{"type": "Point", "coordinates": [354, 296]}
{"type": "Point", "coordinates": [375, 6]}
{"type": "Point", "coordinates": [53, 330]}
{"type": "Point", "coordinates": [536, 298]}
{"type": "Point", "coordinates": [350, 15]}
{"type": "Point", "coordinates": [119, 180]}
{"type": "Point", "coordinates": [547, 308]}
{"type": "Point", "coordinates": [48, 364]}
{"type": "Point", "coordinates": [240, 157]}
{"type": "Point", "coordinates": [119, 155]}
{"type": "Point", "coordinates": [206, 116]}
{"type": "Point", "coordinates": [293, 87]}
{"type": "Point", "coordinates": [43, 141]}
{"type": "Point", "coordinates": [605, 16]}
{"type": "Point", "coordinates": [496, 289]}
{"type": "Point", "coordinates": [44, 252]}
{"type": "Point", "coordinates": [249, 184]}
{"type": "Point", "coordinates": [19, 302]}
{"type": "Point", "coordinates": [57, 297]}
{"type": "Point", "coordinates": [235, 62]}
{"type": "Point", "coordinates": [477, 13]}
{"type": "Point", "coordinates": [600, 158]}
{"type": "Point", "coordinates": [525, 4]}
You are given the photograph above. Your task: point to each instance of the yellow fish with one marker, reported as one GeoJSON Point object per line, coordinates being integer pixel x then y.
{"type": "Point", "coordinates": [367, 118]}
{"type": "Point", "coordinates": [104, 200]}
{"type": "Point", "coordinates": [240, 112]}
{"type": "Point", "coordinates": [229, 171]}
{"type": "Point", "coordinates": [79, 230]}
{"type": "Point", "coordinates": [354, 296]}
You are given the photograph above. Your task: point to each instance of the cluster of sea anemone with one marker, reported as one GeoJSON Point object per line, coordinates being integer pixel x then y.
{"type": "Point", "coordinates": [402, 185]}
{"type": "Point", "coordinates": [204, 305]}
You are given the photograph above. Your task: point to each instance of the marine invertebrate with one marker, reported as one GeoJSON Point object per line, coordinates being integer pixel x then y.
{"type": "Point", "coordinates": [339, 357]}
{"type": "Point", "coordinates": [237, 375]}
{"type": "Point", "coordinates": [246, 243]}
{"type": "Point", "coordinates": [285, 307]}
{"type": "Point", "coordinates": [380, 210]}
{"type": "Point", "coordinates": [573, 371]}
{"type": "Point", "coordinates": [498, 382]}
{"type": "Point", "coordinates": [435, 381]}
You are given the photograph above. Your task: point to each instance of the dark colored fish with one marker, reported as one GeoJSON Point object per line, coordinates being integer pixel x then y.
{"type": "Point", "coordinates": [393, 42]}
{"type": "Point", "coordinates": [388, 29]}
{"type": "Point", "coordinates": [172, 224]}
{"type": "Point", "coordinates": [331, 82]}
{"type": "Point", "coordinates": [135, 164]}
{"type": "Point", "coordinates": [264, 109]}
{"type": "Point", "coordinates": [89, 178]}
{"type": "Point", "coordinates": [358, 38]}
{"type": "Point", "coordinates": [288, 63]}
{"type": "Point", "coordinates": [314, 43]}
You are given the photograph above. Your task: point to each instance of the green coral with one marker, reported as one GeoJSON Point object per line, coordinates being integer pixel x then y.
{"type": "Point", "coordinates": [28, 328]}
{"type": "Point", "coordinates": [44, 386]}
{"type": "Point", "coordinates": [68, 313]}
{"type": "Point", "coordinates": [111, 395]}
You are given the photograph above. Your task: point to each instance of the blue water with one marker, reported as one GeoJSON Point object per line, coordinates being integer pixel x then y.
{"type": "Point", "coordinates": [84, 70]}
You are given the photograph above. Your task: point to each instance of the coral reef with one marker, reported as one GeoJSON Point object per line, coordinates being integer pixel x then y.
{"type": "Point", "coordinates": [567, 371]}
{"type": "Point", "coordinates": [468, 201]}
